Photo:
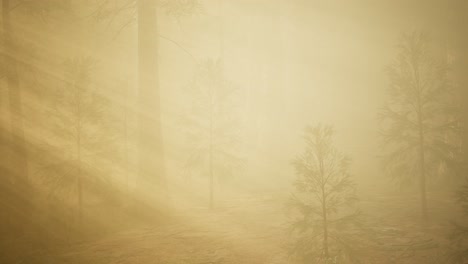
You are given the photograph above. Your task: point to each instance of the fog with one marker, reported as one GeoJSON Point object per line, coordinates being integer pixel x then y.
{"type": "Point", "coordinates": [233, 131]}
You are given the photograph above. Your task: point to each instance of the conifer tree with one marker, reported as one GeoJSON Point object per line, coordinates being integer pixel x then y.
{"type": "Point", "coordinates": [327, 224]}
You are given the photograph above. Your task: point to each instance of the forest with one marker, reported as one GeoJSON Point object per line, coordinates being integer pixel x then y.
{"type": "Point", "coordinates": [233, 131]}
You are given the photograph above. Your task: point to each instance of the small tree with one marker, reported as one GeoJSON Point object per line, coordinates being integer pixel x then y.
{"type": "Point", "coordinates": [327, 222]}
{"type": "Point", "coordinates": [459, 235]}
{"type": "Point", "coordinates": [212, 124]}
{"type": "Point", "coordinates": [419, 121]}
{"type": "Point", "coordinates": [79, 124]}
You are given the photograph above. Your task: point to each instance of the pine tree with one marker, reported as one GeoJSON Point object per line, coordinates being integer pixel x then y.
{"type": "Point", "coordinates": [459, 236]}
{"type": "Point", "coordinates": [212, 125]}
{"type": "Point", "coordinates": [327, 225]}
{"type": "Point", "coordinates": [79, 124]}
{"type": "Point", "coordinates": [419, 121]}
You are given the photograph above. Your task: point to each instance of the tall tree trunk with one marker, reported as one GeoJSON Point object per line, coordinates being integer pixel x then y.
{"type": "Point", "coordinates": [324, 208]}
{"type": "Point", "coordinates": [211, 155]}
{"type": "Point", "coordinates": [422, 161]}
{"type": "Point", "coordinates": [18, 162]}
{"type": "Point", "coordinates": [151, 158]}
{"type": "Point", "coordinates": [221, 32]}
{"type": "Point", "coordinates": [211, 134]}
{"type": "Point", "coordinates": [5, 177]}
{"type": "Point", "coordinates": [460, 38]}
{"type": "Point", "coordinates": [80, 187]}
{"type": "Point", "coordinates": [422, 168]}
{"type": "Point", "coordinates": [79, 173]}
{"type": "Point", "coordinates": [325, 225]}
{"type": "Point", "coordinates": [126, 169]}
{"type": "Point", "coordinates": [464, 87]}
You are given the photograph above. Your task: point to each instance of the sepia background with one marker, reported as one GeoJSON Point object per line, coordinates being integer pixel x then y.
{"type": "Point", "coordinates": [219, 131]}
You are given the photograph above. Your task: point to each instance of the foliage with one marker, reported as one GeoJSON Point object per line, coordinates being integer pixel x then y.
{"type": "Point", "coordinates": [212, 122]}
{"type": "Point", "coordinates": [328, 227]}
{"type": "Point", "coordinates": [126, 10]}
{"type": "Point", "coordinates": [79, 124]}
{"type": "Point", "coordinates": [44, 9]}
{"type": "Point", "coordinates": [459, 236]}
{"type": "Point", "coordinates": [181, 8]}
{"type": "Point", "coordinates": [419, 113]}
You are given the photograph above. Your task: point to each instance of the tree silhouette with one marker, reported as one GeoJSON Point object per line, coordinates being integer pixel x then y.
{"type": "Point", "coordinates": [79, 122]}
{"type": "Point", "coordinates": [212, 124]}
{"type": "Point", "coordinates": [327, 223]}
{"type": "Point", "coordinates": [151, 153]}
{"type": "Point", "coordinates": [152, 178]}
{"type": "Point", "coordinates": [459, 236]}
{"type": "Point", "coordinates": [15, 142]}
{"type": "Point", "coordinates": [419, 122]}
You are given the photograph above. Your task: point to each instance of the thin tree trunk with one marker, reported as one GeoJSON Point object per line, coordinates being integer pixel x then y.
{"type": "Point", "coordinates": [422, 162]}
{"type": "Point", "coordinates": [325, 225]}
{"type": "Point", "coordinates": [80, 187]}
{"type": "Point", "coordinates": [151, 154]}
{"type": "Point", "coordinates": [18, 143]}
{"type": "Point", "coordinates": [5, 187]}
{"type": "Point", "coordinates": [78, 154]}
{"type": "Point", "coordinates": [221, 55]}
{"type": "Point", "coordinates": [422, 180]}
{"type": "Point", "coordinates": [221, 32]}
{"type": "Point", "coordinates": [458, 28]}
{"type": "Point", "coordinates": [127, 187]}
{"type": "Point", "coordinates": [211, 156]}
{"type": "Point", "coordinates": [5, 174]}
{"type": "Point", "coordinates": [324, 208]}
{"type": "Point", "coordinates": [18, 162]}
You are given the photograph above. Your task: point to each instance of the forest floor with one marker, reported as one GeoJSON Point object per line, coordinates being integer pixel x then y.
{"type": "Point", "coordinates": [254, 230]}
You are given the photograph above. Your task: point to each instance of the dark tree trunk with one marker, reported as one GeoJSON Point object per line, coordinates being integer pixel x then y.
{"type": "Point", "coordinates": [421, 136]}
{"type": "Point", "coordinates": [79, 161]}
{"type": "Point", "coordinates": [211, 159]}
{"type": "Point", "coordinates": [456, 33]}
{"type": "Point", "coordinates": [458, 27]}
{"type": "Point", "coordinates": [422, 169]}
{"type": "Point", "coordinates": [151, 158]}
{"type": "Point", "coordinates": [17, 166]}
{"type": "Point", "coordinates": [324, 206]}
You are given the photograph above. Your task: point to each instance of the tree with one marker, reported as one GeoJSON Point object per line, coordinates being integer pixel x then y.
{"type": "Point", "coordinates": [150, 157]}
{"type": "Point", "coordinates": [459, 236]}
{"type": "Point", "coordinates": [327, 223]}
{"type": "Point", "coordinates": [19, 195]}
{"type": "Point", "coordinates": [150, 143]}
{"type": "Point", "coordinates": [419, 121]}
{"type": "Point", "coordinates": [212, 124]}
{"type": "Point", "coordinates": [14, 143]}
{"type": "Point", "coordinates": [78, 71]}
{"type": "Point", "coordinates": [458, 43]}
{"type": "Point", "coordinates": [151, 153]}
{"type": "Point", "coordinates": [79, 123]}
{"type": "Point", "coordinates": [125, 130]}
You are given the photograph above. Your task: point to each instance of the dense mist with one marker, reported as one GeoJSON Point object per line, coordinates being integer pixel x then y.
{"type": "Point", "coordinates": [233, 131]}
